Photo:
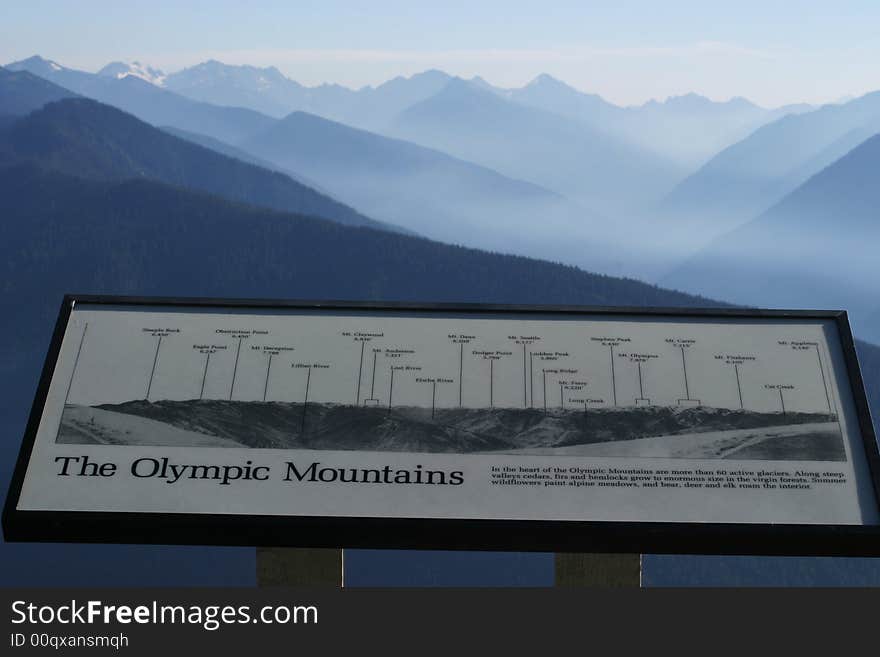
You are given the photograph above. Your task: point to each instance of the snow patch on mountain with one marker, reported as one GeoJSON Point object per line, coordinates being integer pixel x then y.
{"type": "Point", "coordinates": [121, 70]}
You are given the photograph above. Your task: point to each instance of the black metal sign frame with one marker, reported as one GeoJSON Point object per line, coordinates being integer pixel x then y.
{"type": "Point", "coordinates": [429, 533]}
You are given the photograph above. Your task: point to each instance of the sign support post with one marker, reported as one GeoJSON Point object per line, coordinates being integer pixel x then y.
{"type": "Point", "coordinates": [308, 567]}
{"type": "Point", "coordinates": [578, 570]}
{"type": "Point", "coordinates": [324, 568]}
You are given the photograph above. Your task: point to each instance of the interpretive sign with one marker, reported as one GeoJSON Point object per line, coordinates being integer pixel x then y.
{"type": "Point", "coordinates": [484, 427]}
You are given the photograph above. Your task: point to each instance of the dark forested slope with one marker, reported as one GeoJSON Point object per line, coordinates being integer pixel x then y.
{"type": "Point", "coordinates": [84, 138]}
{"type": "Point", "coordinates": [22, 92]}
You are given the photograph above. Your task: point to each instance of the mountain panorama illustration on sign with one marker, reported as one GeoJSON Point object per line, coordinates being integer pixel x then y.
{"type": "Point", "coordinates": [462, 385]}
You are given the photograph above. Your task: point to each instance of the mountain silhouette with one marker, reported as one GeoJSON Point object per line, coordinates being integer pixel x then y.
{"type": "Point", "coordinates": [815, 248]}
{"type": "Point", "coordinates": [750, 176]}
{"type": "Point", "coordinates": [265, 90]}
{"type": "Point", "coordinates": [279, 424]}
{"type": "Point", "coordinates": [22, 92]}
{"type": "Point", "coordinates": [589, 165]}
{"type": "Point", "coordinates": [81, 137]}
{"type": "Point", "coordinates": [269, 91]}
{"type": "Point", "coordinates": [434, 194]}
{"type": "Point", "coordinates": [239, 154]}
{"type": "Point", "coordinates": [689, 129]}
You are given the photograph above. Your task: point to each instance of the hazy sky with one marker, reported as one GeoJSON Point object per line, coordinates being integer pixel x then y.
{"type": "Point", "coordinates": [771, 51]}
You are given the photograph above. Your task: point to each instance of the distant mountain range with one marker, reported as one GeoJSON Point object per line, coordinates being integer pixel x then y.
{"type": "Point", "coordinates": [451, 200]}
{"type": "Point", "coordinates": [150, 103]}
{"type": "Point", "coordinates": [750, 176]}
{"type": "Point", "coordinates": [689, 129]}
{"type": "Point", "coordinates": [585, 163]}
{"type": "Point", "coordinates": [83, 138]}
{"type": "Point", "coordinates": [590, 165]}
{"type": "Point", "coordinates": [608, 158]}
{"type": "Point", "coordinates": [815, 248]}
{"type": "Point", "coordinates": [597, 170]}
{"type": "Point", "coordinates": [265, 90]}
{"type": "Point", "coordinates": [268, 91]}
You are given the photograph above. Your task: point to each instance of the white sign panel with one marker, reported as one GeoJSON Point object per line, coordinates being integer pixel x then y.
{"type": "Point", "coordinates": [475, 414]}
